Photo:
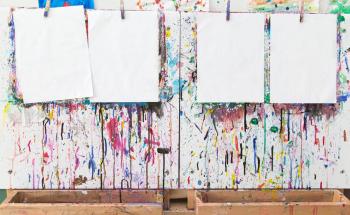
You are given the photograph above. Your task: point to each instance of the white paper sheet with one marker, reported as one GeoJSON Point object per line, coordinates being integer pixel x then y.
{"type": "Point", "coordinates": [230, 57]}
{"type": "Point", "coordinates": [303, 58]}
{"type": "Point", "coordinates": [52, 55]}
{"type": "Point", "coordinates": [124, 56]}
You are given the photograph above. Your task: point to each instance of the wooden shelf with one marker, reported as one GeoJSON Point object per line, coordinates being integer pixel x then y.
{"type": "Point", "coordinates": [272, 202]}
{"type": "Point", "coordinates": [175, 202]}
{"type": "Point", "coordinates": [86, 202]}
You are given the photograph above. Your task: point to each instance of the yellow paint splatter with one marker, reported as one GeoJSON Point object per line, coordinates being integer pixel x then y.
{"type": "Point", "coordinates": [51, 113]}
{"type": "Point", "coordinates": [168, 33]}
{"type": "Point", "coordinates": [216, 142]}
{"type": "Point", "coordinates": [233, 178]}
{"type": "Point", "coordinates": [193, 154]}
{"type": "Point", "coordinates": [194, 34]}
{"type": "Point", "coordinates": [5, 111]}
{"type": "Point", "coordinates": [299, 171]}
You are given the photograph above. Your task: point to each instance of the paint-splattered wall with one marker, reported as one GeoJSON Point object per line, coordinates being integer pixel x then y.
{"type": "Point", "coordinates": [75, 145]}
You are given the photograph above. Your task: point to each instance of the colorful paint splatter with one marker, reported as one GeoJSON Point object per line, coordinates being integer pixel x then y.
{"type": "Point", "coordinates": [76, 144]}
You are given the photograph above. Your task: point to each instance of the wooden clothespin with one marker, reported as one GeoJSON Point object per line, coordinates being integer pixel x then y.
{"type": "Point", "coordinates": [228, 8]}
{"type": "Point", "coordinates": [47, 8]}
{"type": "Point", "coordinates": [122, 9]}
{"type": "Point", "coordinates": [10, 19]}
{"type": "Point", "coordinates": [302, 11]}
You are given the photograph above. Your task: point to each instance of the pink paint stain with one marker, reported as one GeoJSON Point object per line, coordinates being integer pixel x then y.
{"type": "Point", "coordinates": [150, 153]}
{"type": "Point", "coordinates": [152, 142]}
{"type": "Point", "coordinates": [75, 107]}
{"type": "Point", "coordinates": [118, 143]}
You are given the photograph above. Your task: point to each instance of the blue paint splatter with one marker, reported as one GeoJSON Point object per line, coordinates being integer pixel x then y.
{"type": "Point", "coordinates": [343, 98]}
{"type": "Point", "coordinates": [92, 163]}
{"type": "Point", "coordinates": [254, 147]}
{"type": "Point", "coordinates": [60, 3]}
{"type": "Point", "coordinates": [176, 86]}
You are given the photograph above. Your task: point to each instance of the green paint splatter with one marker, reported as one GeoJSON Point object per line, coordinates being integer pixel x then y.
{"type": "Point", "coordinates": [254, 121]}
{"type": "Point", "coordinates": [86, 102]}
{"type": "Point", "coordinates": [341, 18]}
{"type": "Point", "coordinates": [192, 59]}
{"type": "Point", "coordinates": [307, 163]}
{"type": "Point", "coordinates": [339, 7]}
{"type": "Point", "coordinates": [274, 129]}
{"type": "Point", "coordinates": [342, 78]}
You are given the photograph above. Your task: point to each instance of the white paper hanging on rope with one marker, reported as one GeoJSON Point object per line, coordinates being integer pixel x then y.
{"type": "Point", "coordinates": [52, 56]}
{"type": "Point", "coordinates": [124, 56]}
{"type": "Point", "coordinates": [303, 58]}
{"type": "Point", "coordinates": [230, 57]}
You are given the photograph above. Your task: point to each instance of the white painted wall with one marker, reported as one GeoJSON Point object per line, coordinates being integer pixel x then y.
{"type": "Point", "coordinates": [19, 3]}
{"type": "Point", "coordinates": [110, 4]}
{"type": "Point", "coordinates": [100, 4]}
{"type": "Point", "coordinates": [113, 4]}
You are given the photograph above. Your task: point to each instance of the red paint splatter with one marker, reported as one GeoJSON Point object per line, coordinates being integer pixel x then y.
{"type": "Point", "coordinates": [317, 141]}
{"type": "Point", "coordinates": [46, 157]}
{"type": "Point", "coordinates": [323, 140]}
{"type": "Point", "coordinates": [30, 142]}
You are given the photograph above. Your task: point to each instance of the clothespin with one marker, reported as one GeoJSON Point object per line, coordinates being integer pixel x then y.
{"type": "Point", "coordinates": [47, 8]}
{"type": "Point", "coordinates": [302, 11]}
{"type": "Point", "coordinates": [228, 8]}
{"type": "Point", "coordinates": [122, 10]}
{"type": "Point", "coordinates": [10, 17]}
